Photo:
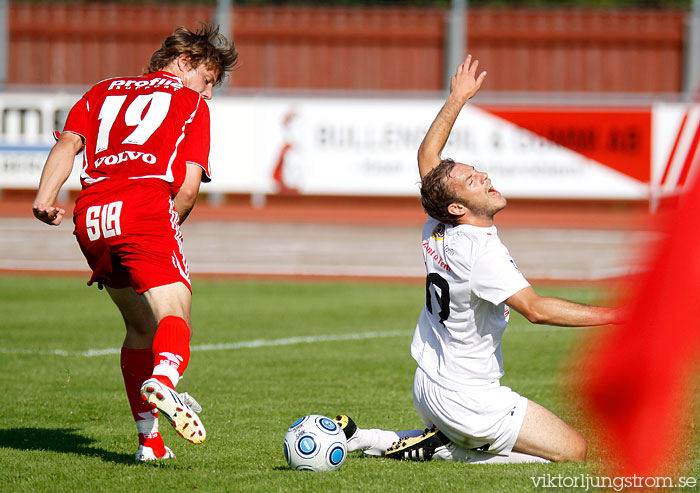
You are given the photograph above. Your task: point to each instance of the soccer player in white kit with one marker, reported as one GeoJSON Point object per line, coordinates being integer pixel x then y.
{"type": "Point", "coordinates": [471, 283]}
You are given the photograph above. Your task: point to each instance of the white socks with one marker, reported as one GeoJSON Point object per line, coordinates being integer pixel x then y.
{"type": "Point", "coordinates": [375, 442]}
{"type": "Point", "coordinates": [148, 425]}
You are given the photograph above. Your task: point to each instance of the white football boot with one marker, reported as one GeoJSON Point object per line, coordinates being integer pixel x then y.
{"type": "Point", "coordinates": [144, 454]}
{"type": "Point", "coordinates": [178, 409]}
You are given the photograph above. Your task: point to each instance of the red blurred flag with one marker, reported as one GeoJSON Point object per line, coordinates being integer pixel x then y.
{"type": "Point", "coordinates": [639, 374]}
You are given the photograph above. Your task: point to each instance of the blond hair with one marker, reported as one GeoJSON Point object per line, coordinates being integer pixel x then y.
{"type": "Point", "coordinates": [204, 46]}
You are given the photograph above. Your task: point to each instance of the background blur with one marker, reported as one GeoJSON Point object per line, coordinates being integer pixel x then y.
{"type": "Point", "coordinates": [630, 47]}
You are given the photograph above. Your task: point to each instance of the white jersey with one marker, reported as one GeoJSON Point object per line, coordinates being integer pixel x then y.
{"type": "Point", "coordinates": [470, 274]}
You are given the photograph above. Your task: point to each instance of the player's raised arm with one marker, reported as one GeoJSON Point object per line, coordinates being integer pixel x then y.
{"type": "Point", "coordinates": [55, 173]}
{"type": "Point", "coordinates": [463, 86]}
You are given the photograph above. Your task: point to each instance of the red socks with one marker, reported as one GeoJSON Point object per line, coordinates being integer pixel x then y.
{"type": "Point", "coordinates": [137, 366]}
{"type": "Point", "coordinates": [171, 348]}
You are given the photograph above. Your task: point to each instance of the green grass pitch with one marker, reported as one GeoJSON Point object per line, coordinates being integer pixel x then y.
{"type": "Point", "coordinates": [66, 425]}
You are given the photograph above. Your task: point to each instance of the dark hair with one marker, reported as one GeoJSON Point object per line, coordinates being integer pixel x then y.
{"type": "Point", "coordinates": [204, 46]}
{"type": "Point", "coordinates": [436, 194]}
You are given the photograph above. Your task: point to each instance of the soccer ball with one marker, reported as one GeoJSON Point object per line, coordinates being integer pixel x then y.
{"type": "Point", "coordinates": [315, 443]}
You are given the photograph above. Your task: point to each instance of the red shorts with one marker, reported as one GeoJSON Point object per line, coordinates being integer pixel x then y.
{"type": "Point", "coordinates": [130, 235]}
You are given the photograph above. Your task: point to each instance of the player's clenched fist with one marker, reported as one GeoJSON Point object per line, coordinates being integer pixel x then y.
{"type": "Point", "coordinates": [49, 215]}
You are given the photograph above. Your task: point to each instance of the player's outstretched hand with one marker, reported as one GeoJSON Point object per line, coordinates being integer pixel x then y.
{"type": "Point", "coordinates": [49, 215]}
{"type": "Point", "coordinates": [465, 83]}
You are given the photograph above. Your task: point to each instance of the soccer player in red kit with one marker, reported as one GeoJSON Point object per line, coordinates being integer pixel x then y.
{"type": "Point", "coordinates": [144, 143]}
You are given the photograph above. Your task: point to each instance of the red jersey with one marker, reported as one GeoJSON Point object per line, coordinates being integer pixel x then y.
{"type": "Point", "coordinates": [147, 126]}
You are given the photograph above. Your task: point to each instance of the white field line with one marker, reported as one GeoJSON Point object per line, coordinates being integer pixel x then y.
{"type": "Point", "coordinates": [222, 347]}
{"type": "Point", "coordinates": [288, 341]}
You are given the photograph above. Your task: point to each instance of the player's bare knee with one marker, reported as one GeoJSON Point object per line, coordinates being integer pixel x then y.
{"type": "Point", "coordinates": [575, 451]}
{"type": "Point", "coordinates": [581, 451]}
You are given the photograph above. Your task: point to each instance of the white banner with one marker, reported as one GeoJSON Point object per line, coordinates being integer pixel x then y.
{"type": "Point", "coordinates": [368, 147]}
{"type": "Point", "coordinates": [334, 146]}
{"type": "Point", "coordinates": [26, 136]}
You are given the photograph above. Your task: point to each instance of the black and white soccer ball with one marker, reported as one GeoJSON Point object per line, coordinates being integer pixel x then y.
{"type": "Point", "coordinates": [315, 443]}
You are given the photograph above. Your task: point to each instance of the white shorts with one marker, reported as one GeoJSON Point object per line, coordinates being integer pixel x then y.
{"type": "Point", "coordinates": [488, 417]}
